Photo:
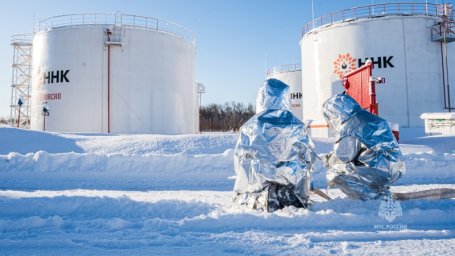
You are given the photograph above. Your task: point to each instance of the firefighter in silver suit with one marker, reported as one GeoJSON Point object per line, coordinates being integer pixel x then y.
{"type": "Point", "coordinates": [274, 156]}
{"type": "Point", "coordinates": [366, 158]}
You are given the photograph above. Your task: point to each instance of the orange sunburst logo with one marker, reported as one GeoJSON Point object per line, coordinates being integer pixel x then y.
{"type": "Point", "coordinates": [344, 64]}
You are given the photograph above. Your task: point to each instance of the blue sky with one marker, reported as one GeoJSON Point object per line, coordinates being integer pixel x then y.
{"type": "Point", "coordinates": [236, 40]}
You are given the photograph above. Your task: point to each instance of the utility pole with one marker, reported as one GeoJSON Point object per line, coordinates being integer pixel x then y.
{"type": "Point", "coordinates": [20, 102]}
{"type": "Point", "coordinates": [45, 112]}
{"type": "Point", "coordinates": [200, 91]}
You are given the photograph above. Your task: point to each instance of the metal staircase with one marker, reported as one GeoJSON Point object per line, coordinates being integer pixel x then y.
{"type": "Point", "coordinates": [444, 32]}
{"type": "Point", "coordinates": [21, 80]}
{"type": "Point", "coordinates": [114, 36]}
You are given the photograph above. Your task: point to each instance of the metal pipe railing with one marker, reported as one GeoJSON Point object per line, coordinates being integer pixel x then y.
{"type": "Point", "coordinates": [22, 38]}
{"type": "Point", "coordinates": [378, 10]}
{"type": "Point", "coordinates": [116, 19]}
{"type": "Point", "coordinates": [284, 68]}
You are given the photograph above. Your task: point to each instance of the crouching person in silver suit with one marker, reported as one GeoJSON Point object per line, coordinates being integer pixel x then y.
{"type": "Point", "coordinates": [366, 158]}
{"type": "Point", "coordinates": [274, 156]}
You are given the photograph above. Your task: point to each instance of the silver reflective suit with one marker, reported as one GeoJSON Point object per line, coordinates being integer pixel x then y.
{"type": "Point", "coordinates": [274, 156]}
{"type": "Point", "coordinates": [366, 158]}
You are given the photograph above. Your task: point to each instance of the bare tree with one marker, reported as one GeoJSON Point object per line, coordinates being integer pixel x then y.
{"type": "Point", "coordinates": [227, 117]}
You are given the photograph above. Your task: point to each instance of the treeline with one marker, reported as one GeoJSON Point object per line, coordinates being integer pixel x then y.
{"type": "Point", "coordinates": [3, 120]}
{"type": "Point", "coordinates": [214, 117]}
{"type": "Point", "coordinates": [226, 117]}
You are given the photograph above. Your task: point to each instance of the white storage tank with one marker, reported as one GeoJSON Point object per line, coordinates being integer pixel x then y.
{"type": "Point", "coordinates": [291, 75]}
{"type": "Point", "coordinates": [403, 42]}
{"type": "Point", "coordinates": [114, 73]}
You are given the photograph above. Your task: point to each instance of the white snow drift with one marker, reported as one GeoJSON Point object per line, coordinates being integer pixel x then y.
{"type": "Point", "coordinates": [149, 194]}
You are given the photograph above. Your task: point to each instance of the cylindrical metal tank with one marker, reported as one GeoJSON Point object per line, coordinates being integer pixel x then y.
{"type": "Point", "coordinates": [291, 75]}
{"type": "Point", "coordinates": [400, 38]}
{"type": "Point", "coordinates": [114, 73]}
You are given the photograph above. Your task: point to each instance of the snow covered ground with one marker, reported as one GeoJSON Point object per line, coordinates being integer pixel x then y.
{"type": "Point", "coordinates": [97, 194]}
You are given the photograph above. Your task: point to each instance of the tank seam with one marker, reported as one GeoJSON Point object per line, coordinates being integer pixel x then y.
{"type": "Point", "coordinates": [406, 72]}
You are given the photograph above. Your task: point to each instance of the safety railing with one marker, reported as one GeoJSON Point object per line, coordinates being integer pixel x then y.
{"type": "Point", "coordinates": [22, 38]}
{"type": "Point", "coordinates": [284, 68]}
{"type": "Point", "coordinates": [116, 19]}
{"type": "Point", "coordinates": [379, 10]}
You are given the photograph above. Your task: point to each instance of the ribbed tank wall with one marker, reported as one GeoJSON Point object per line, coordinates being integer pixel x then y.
{"type": "Point", "coordinates": [153, 84]}
{"type": "Point", "coordinates": [402, 52]}
{"type": "Point", "coordinates": [75, 56]}
{"type": "Point", "coordinates": [151, 81]}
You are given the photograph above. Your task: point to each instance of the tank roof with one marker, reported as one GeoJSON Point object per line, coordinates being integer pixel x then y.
{"type": "Point", "coordinates": [378, 11]}
{"type": "Point", "coordinates": [115, 19]}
